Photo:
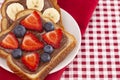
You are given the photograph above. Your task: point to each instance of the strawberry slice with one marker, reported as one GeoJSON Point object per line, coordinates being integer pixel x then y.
{"type": "Point", "coordinates": [53, 37]}
{"type": "Point", "coordinates": [31, 42]}
{"type": "Point", "coordinates": [9, 42]}
{"type": "Point", "coordinates": [31, 61]}
{"type": "Point", "coordinates": [32, 22]}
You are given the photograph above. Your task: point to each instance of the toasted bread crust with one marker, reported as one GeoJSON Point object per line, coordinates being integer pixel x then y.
{"type": "Point", "coordinates": [4, 21]}
{"type": "Point", "coordinates": [3, 54]}
{"type": "Point", "coordinates": [53, 62]}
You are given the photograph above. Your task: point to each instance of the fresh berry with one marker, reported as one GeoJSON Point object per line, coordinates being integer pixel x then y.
{"type": "Point", "coordinates": [53, 38]}
{"type": "Point", "coordinates": [31, 61]}
{"type": "Point", "coordinates": [48, 26]}
{"type": "Point", "coordinates": [33, 22]}
{"type": "Point", "coordinates": [31, 42]}
{"type": "Point", "coordinates": [17, 53]}
{"type": "Point", "coordinates": [45, 57]}
{"type": "Point", "coordinates": [19, 31]}
{"type": "Point", "coordinates": [48, 49]}
{"type": "Point", "coordinates": [9, 42]}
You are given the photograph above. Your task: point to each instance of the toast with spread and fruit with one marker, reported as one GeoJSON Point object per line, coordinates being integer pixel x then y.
{"type": "Point", "coordinates": [33, 45]}
{"type": "Point", "coordinates": [49, 8]}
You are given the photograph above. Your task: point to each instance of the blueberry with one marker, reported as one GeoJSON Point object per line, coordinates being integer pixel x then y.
{"type": "Point", "coordinates": [19, 31]}
{"type": "Point", "coordinates": [48, 49]}
{"type": "Point", "coordinates": [45, 57]}
{"type": "Point", "coordinates": [17, 53]}
{"type": "Point", "coordinates": [48, 26]}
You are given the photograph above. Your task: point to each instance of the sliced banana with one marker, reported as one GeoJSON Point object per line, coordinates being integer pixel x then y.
{"type": "Point", "coordinates": [35, 4]}
{"type": "Point", "coordinates": [52, 13]}
{"type": "Point", "coordinates": [13, 9]}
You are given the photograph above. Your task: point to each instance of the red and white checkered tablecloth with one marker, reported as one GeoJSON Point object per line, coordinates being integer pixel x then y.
{"type": "Point", "coordinates": [99, 56]}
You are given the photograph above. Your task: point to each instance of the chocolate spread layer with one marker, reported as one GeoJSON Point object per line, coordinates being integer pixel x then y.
{"type": "Point", "coordinates": [47, 4]}
{"type": "Point", "coordinates": [19, 63]}
{"type": "Point", "coordinates": [41, 65]}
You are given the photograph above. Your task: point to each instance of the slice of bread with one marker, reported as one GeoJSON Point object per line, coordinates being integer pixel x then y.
{"type": "Point", "coordinates": [47, 67]}
{"type": "Point", "coordinates": [7, 21]}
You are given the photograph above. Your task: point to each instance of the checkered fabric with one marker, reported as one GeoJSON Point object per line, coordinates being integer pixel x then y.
{"type": "Point", "coordinates": [99, 56]}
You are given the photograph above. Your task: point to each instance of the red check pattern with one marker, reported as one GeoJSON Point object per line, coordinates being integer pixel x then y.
{"type": "Point", "coordinates": [99, 56]}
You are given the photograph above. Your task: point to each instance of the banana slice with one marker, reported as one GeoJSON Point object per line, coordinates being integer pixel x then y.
{"type": "Point", "coordinates": [52, 13]}
{"type": "Point", "coordinates": [13, 9]}
{"type": "Point", "coordinates": [35, 4]}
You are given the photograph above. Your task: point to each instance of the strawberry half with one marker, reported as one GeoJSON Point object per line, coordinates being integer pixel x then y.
{"type": "Point", "coordinates": [32, 22]}
{"type": "Point", "coordinates": [9, 42]}
{"type": "Point", "coordinates": [53, 37]}
{"type": "Point", "coordinates": [31, 42]}
{"type": "Point", "coordinates": [31, 61]}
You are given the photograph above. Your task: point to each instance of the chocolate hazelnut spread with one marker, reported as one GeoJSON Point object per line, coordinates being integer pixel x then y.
{"type": "Point", "coordinates": [19, 63]}
{"type": "Point", "coordinates": [41, 65]}
{"type": "Point", "coordinates": [47, 4]}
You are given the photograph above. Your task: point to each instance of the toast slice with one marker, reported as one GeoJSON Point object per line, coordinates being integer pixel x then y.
{"type": "Point", "coordinates": [10, 8]}
{"type": "Point", "coordinates": [67, 44]}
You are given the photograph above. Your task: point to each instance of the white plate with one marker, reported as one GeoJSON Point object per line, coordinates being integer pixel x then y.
{"type": "Point", "coordinates": [72, 27]}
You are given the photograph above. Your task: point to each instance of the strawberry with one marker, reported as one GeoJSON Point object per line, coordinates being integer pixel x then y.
{"type": "Point", "coordinates": [31, 61]}
{"type": "Point", "coordinates": [31, 42]}
{"type": "Point", "coordinates": [53, 38]}
{"type": "Point", "coordinates": [32, 22]}
{"type": "Point", "coordinates": [9, 42]}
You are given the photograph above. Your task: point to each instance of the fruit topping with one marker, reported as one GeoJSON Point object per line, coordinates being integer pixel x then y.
{"type": "Point", "coordinates": [9, 42]}
{"type": "Point", "coordinates": [52, 14]}
{"type": "Point", "coordinates": [17, 53]}
{"type": "Point", "coordinates": [31, 61]}
{"type": "Point", "coordinates": [48, 26]}
{"type": "Point", "coordinates": [53, 38]}
{"type": "Point", "coordinates": [19, 31]}
{"type": "Point", "coordinates": [33, 22]}
{"type": "Point", "coordinates": [35, 4]}
{"type": "Point", "coordinates": [31, 42]}
{"type": "Point", "coordinates": [45, 57]}
{"type": "Point", "coordinates": [48, 49]}
{"type": "Point", "coordinates": [13, 9]}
